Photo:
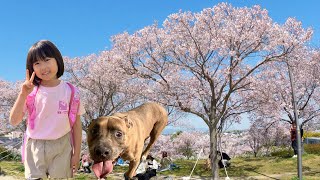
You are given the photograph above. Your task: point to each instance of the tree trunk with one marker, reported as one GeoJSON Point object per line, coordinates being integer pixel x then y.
{"type": "Point", "coordinates": [213, 153]}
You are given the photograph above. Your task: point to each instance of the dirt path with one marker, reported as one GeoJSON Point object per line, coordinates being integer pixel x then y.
{"type": "Point", "coordinates": [8, 178]}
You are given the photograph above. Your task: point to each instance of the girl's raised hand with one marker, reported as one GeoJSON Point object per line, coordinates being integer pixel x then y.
{"type": "Point", "coordinates": [27, 86]}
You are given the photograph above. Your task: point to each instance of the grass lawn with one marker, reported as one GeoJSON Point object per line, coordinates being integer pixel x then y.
{"type": "Point", "coordinates": [241, 168]}
{"type": "Point", "coordinates": [285, 167]}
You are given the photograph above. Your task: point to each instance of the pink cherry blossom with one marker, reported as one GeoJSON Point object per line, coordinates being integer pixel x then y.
{"type": "Point", "coordinates": [202, 63]}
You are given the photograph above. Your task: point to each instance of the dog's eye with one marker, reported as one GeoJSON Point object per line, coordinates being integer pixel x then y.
{"type": "Point", "coordinates": [95, 130]}
{"type": "Point", "coordinates": [118, 134]}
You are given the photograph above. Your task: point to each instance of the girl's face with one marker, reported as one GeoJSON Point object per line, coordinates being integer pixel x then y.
{"type": "Point", "coordinates": [46, 70]}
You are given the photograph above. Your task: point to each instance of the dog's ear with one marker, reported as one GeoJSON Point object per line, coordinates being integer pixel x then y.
{"type": "Point", "coordinates": [128, 121]}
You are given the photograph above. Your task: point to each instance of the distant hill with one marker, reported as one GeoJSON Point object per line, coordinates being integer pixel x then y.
{"type": "Point", "coordinates": [171, 129]}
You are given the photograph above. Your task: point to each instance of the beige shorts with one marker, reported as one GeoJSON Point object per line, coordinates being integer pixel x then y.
{"type": "Point", "coordinates": [48, 158]}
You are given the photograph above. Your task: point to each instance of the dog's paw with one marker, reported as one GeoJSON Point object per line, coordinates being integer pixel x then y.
{"type": "Point", "coordinates": [127, 178]}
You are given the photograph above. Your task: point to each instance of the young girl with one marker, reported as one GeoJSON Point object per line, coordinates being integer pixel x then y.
{"type": "Point", "coordinates": [52, 146]}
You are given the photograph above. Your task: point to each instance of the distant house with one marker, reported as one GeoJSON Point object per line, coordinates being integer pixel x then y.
{"type": "Point", "coordinates": [14, 134]}
{"type": "Point", "coordinates": [12, 140]}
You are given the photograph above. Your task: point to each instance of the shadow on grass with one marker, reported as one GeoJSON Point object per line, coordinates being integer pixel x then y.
{"type": "Point", "coordinates": [312, 173]}
{"type": "Point", "coordinates": [242, 171]}
{"type": "Point", "coordinates": [306, 168]}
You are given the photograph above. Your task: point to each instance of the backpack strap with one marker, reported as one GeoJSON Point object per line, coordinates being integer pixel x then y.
{"type": "Point", "coordinates": [31, 117]}
{"type": "Point", "coordinates": [73, 109]}
{"type": "Point", "coordinates": [31, 107]}
{"type": "Point", "coordinates": [74, 104]}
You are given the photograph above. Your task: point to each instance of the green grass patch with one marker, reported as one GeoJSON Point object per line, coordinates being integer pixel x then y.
{"type": "Point", "coordinates": [12, 168]}
{"type": "Point", "coordinates": [285, 167]}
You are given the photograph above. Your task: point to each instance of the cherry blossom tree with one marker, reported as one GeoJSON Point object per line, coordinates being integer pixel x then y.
{"type": "Point", "coordinates": [162, 144]}
{"type": "Point", "coordinates": [272, 91]}
{"type": "Point", "coordinates": [183, 145]}
{"type": "Point", "coordinates": [200, 63]}
{"type": "Point", "coordinates": [262, 136]}
{"type": "Point", "coordinates": [105, 88]}
{"type": "Point", "coordinates": [190, 144]}
{"type": "Point", "coordinates": [8, 94]}
{"type": "Point", "coordinates": [234, 143]}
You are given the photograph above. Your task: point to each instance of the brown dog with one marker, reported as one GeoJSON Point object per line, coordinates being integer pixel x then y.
{"type": "Point", "coordinates": [124, 134]}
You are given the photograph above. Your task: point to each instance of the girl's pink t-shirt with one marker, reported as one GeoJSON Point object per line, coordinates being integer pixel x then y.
{"type": "Point", "coordinates": [52, 107]}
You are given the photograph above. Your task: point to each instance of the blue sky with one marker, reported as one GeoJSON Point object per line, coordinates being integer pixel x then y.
{"type": "Point", "coordinates": [80, 28]}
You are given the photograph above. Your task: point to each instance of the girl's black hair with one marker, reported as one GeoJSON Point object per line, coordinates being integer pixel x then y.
{"type": "Point", "coordinates": [40, 51]}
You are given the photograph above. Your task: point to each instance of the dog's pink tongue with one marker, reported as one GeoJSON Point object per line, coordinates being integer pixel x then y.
{"type": "Point", "coordinates": [102, 169]}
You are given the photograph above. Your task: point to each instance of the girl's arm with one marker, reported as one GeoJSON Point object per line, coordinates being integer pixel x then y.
{"type": "Point", "coordinates": [16, 113]}
{"type": "Point", "coordinates": [77, 135]}
{"type": "Point", "coordinates": [77, 132]}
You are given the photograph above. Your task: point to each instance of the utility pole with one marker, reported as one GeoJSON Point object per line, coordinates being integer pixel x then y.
{"type": "Point", "coordinates": [298, 135]}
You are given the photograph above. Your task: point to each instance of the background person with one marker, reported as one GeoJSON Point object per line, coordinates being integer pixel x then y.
{"type": "Point", "coordinates": [294, 142]}
{"type": "Point", "coordinates": [152, 162]}
{"type": "Point", "coordinates": [86, 163]}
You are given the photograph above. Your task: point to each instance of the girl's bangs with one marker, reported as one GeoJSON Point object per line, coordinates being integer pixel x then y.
{"type": "Point", "coordinates": [41, 53]}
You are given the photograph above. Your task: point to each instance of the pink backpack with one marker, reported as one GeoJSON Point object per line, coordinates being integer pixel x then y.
{"type": "Point", "coordinates": [73, 110]}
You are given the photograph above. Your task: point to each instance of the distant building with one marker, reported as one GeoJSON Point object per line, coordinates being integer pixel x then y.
{"type": "Point", "coordinates": [12, 140]}
{"type": "Point", "coordinates": [14, 134]}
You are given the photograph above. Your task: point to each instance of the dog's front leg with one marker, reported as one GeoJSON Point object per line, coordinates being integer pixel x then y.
{"type": "Point", "coordinates": [132, 168]}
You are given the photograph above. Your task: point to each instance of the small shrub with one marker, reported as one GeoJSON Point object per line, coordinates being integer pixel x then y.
{"type": "Point", "coordinates": [17, 157]}
{"type": "Point", "coordinates": [311, 134]}
{"type": "Point", "coordinates": [312, 148]}
{"type": "Point", "coordinates": [282, 152]}
{"type": "Point", "coordinates": [6, 154]}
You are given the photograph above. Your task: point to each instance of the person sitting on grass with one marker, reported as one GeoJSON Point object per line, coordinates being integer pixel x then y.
{"type": "Point", "coordinates": [166, 163]}
{"type": "Point", "coordinates": [147, 168]}
{"type": "Point", "coordinates": [224, 160]}
{"type": "Point", "coordinates": [152, 162]}
{"type": "Point", "coordinates": [86, 162]}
